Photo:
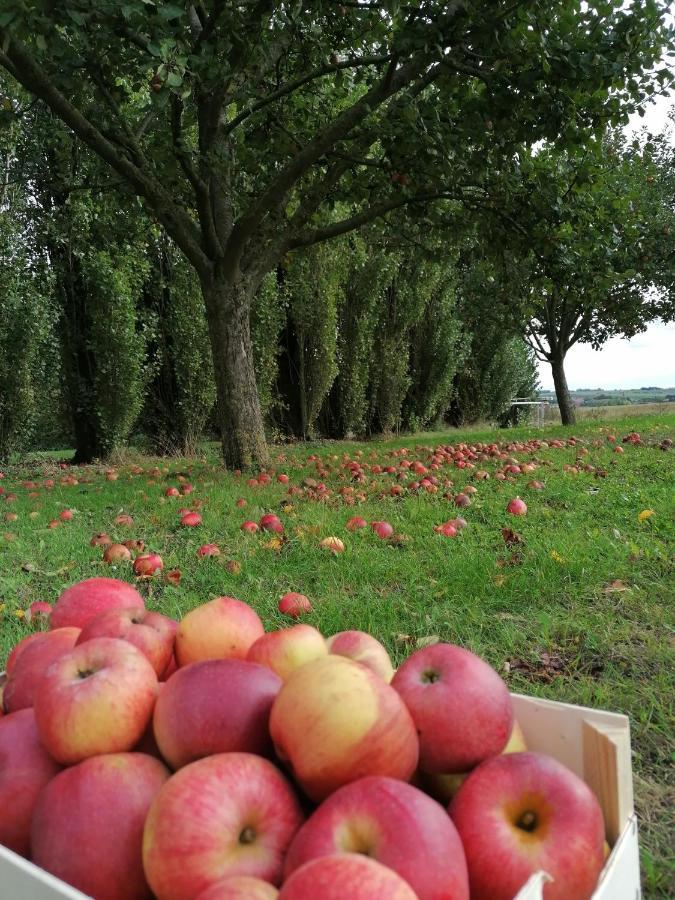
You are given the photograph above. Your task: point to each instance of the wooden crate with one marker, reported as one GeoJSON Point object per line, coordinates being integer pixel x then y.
{"type": "Point", "coordinates": [593, 743]}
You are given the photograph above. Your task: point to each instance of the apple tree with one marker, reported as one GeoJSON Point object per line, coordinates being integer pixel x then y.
{"type": "Point", "coordinates": [240, 125]}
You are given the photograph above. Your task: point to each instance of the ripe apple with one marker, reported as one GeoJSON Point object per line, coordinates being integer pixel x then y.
{"type": "Point", "coordinates": [239, 887]}
{"type": "Point", "coordinates": [334, 721]}
{"type": "Point", "coordinates": [151, 632]}
{"type": "Point", "coordinates": [208, 550]}
{"type": "Point", "coordinates": [116, 553]}
{"type": "Point", "coordinates": [96, 699]}
{"type": "Point", "coordinates": [25, 768]}
{"type": "Point", "coordinates": [523, 812]}
{"type": "Point", "coordinates": [362, 648]}
{"type": "Point", "coordinates": [147, 565]}
{"type": "Point", "coordinates": [19, 648]}
{"type": "Point", "coordinates": [460, 705]}
{"type": "Point", "coordinates": [382, 529]}
{"type": "Point", "coordinates": [286, 650]}
{"type": "Point", "coordinates": [31, 664]}
{"type": "Point", "coordinates": [191, 520]}
{"type": "Point", "coordinates": [88, 824]}
{"type": "Point", "coordinates": [223, 628]}
{"type": "Point", "coordinates": [271, 522]}
{"type": "Point", "coordinates": [294, 605]}
{"type": "Point", "coordinates": [250, 527]}
{"type": "Point", "coordinates": [517, 507]}
{"type": "Point", "coordinates": [345, 875]}
{"type": "Point", "coordinates": [84, 600]}
{"type": "Point", "coordinates": [229, 814]}
{"type": "Point", "coordinates": [356, 523]}
{"type": "Point", "coordinates": [215, 706]}
{"type": "Point", "coordinates": [394, 823]}
{"type": "Point", "coordinates": [334, 544]}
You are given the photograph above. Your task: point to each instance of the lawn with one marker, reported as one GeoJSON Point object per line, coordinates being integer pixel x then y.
{"type": "Point", "coordinates": [578, 607]}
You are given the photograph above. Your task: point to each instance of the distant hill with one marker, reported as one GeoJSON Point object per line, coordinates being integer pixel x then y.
{"type": "Point", "coordinates": [599, 397]}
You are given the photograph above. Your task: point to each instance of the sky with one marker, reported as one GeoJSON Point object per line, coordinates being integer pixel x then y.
{"type": "Point", "coordinates": [647, 360]}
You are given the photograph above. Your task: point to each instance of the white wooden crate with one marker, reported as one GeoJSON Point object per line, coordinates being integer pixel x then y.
{"type": "Point", "coordinates": [593, 743]}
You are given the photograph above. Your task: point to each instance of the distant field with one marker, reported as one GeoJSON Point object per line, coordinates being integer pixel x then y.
{"type": "Point", "coordinates": [614, 412]}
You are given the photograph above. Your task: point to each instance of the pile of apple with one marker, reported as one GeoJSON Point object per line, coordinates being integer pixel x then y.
{"type": "Point", "coordinates": [207, 759]}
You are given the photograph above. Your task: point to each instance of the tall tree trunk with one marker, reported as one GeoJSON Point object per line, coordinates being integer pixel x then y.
{"type": "Point", "coordinates": [227, 303]}
{"type": "Point", "coordinates": [562, 392]}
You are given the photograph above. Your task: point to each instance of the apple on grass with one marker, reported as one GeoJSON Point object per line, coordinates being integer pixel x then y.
{"type": "Point", "coordinates": [30, 665]}
{"type": "Point", "coordinates": [335, 721]}
{"type": "Point", "coordinates": [362, 648]}
{"type": "Point", "coordinates": [82, 601]}
{"type": "Point", "coordinates": [520, 813]}
{"type": "Point", "coordinates": [226, 815]}
{"type": "Point", "coordinates": [393, 823]}
{"type": "Point", "coordinates": [460, 705]}
{"type": "Point", "coordinates": [287, 649]}
{"type": "Point", "coordinates": [96, 699]}
{"type": "Point", "coordinates": [223, 628]}
{"type": "Point", "coordinates": [240, 887]}
{"type": "Point", "coordinates": [345, 875]}
{"type": "Point", "coordinates": [88, 824]}
{"type": "Point", "coordinates": [151, 632]}
{"type": "Point", "coordinates": [25, 769]}
{"type": "Point", "coordinates": [215, 706]}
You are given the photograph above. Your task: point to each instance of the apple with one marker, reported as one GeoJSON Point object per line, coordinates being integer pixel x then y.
{"type": "Point", "coordinates": [271, 522]}
{"type": "Point", "coordinates": [286, 650]}
{"type": "Point", "coordinates": [191, 520]}
{"type": "Point", "coordinates": [100, 540]}
{"type": "Point", "coordinates": [444, 787]}
{"type": "Point", "coordinates": [172, 492]}
{"type": "Point", "coordinates": [33, 661]}
{"type": "Point", "coordinates": [215, 706]}
{"type": "Point", "coordinates": [82, 601]}
{"type": "Point", "coordinates": [38, 610]}
{"type": "Point", "coordinates": [382, 529]}
{"type": "Point", "coordinates": [223, 628]}
{"type": "Point", "coordinates": [151, 632]}
{"type": "Point", "coordinates": [356, 523]}
{"type": "Point", "coordinates": [19, 648]}
{"type": "Point", "coordinates": [394, 823]}
{"type": "Point", "coordinates": [294, 605]}
{"type": "Point", "coordinates": [124, 519]}
{"type": "Point", "coordinates": [249, 526]}
{"type": "Point", "coordinates": [96, 699]}
{"type": "Point", "coordinates": [239, 887]}
{"type": "Point", "coordinates": [88, 824]}
{"type": "Point", "coordinates": [208, 550]}
{"type": "Point", "coordinates": [229, 814]}
{"type": "Point", "coordinates": [345, 875]}
{"type": "Point", "coordinates": [334, 544]}
{"type": "Point", "coordinates": [517, 507]}
{"type": "Point", "coordinates": [116, 553]}
{"type": "Point", "coordinates": [362, 648]}
{"type": "Point", "coordinates": [25, 768]}
{"type": "Point", "coordinates": [460, 705]}
{"type": "Point", "coordinates": [334, 721]}
{"type": "Point", "coordinates": [66, 515]}
{"type": "Point", "coordinates": [147, 565]}
{"type": "Point", "coordinates": [524, 812]}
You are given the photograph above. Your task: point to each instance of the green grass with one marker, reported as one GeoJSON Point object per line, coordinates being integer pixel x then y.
{"type": "Point", "coordinates": [611, 648]}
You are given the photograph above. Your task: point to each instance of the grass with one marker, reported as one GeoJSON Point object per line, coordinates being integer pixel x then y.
{"type": "Point", "coordinates": [581, 610]}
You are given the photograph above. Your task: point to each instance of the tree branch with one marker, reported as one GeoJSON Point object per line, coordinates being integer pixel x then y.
{"type": "Point", "coordinates": [17, 60]}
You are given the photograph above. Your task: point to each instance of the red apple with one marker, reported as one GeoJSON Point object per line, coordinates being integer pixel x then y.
{"type": "Point", "coordinates": [239, 887]}
{"type": "Point", "coordinates": [208, 550]}
{"type": "Point", "coordinates": [332, 543]}
{"type": "Point", "coordinates": [517, 507]}
{"type": "Point", "coordinates": [25, 768]}
{"type": "Point", "coordinates": [524, 812]}
{"type": "Point", "coordinates": [96, 699]}
{"type": "Point", "coordinates": [151, 632]}
{"type": "Point", "coordinates": [148, 564]}
{"type": "Point", "coordinates": [461, 707]}
{"type": "Point", "coordinates": [172, 492]}
{"type": "Point", "coordinates": [393, 823]}
{"type": "Point", "coordinates": [224, 628]}
{"type": "Point", "coordinates": [250, 527]}
{"type": "Point", "coordinates": [362, 648]}
{"type": "Point", "coordinates": [216, 706]}
{"type": "Point", "coordinates": [82, 601]}
{"type": "Point", "coordinates": [191, 520]}
{"type": "Point", "coordinates": [19, 648]}
{"type": "Point", "coordinates": [30, 666]}
{"type": "Point", "coordinates": [229, 814]}
{"type": "Point", "coordinates": [100, 540]}
{"type": "Point", "coordinates": [38, 610]}
{"type": "Point", "coordinates": [88, 824]}
{"type": "Point", "coordinates": [294, 605]}
{"type": "Point", "coordinates": [66, 515]}
{"type": "Point", "coordinates": [286, 650]}
{"type": "Point", "coordinates": [355, 523]}
{"type": "Point", "coordinates": [335, 721]}
{"type": "Point", "coordinates": [271, 522]}
{"type": "Point", "coordinates": [382, 529]}
{"type": "Point", "coordinates": [345, 875]}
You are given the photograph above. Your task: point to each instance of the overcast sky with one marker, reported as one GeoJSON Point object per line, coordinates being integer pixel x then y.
{"type": "Point", "coordinates": [644, 361]}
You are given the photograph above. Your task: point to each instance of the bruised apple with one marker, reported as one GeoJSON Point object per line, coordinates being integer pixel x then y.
{"type": "Point", "coordinates": [334, 721]}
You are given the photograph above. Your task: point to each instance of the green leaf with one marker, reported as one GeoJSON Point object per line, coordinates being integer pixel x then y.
{"type": "Point", "coordinates": [170, 11]}
{"type": "Point", "coordinates": [7, 17]}
{"type": "Point", "coordinates": [41, 42]}
{"type": "Point", "coordinates": [174, 79]}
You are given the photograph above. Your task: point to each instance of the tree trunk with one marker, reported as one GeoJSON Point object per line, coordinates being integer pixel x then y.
{"type": "Point", "coordinates": [240, 419]}
{"type": "Point", "coordinates": [562, 392]}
